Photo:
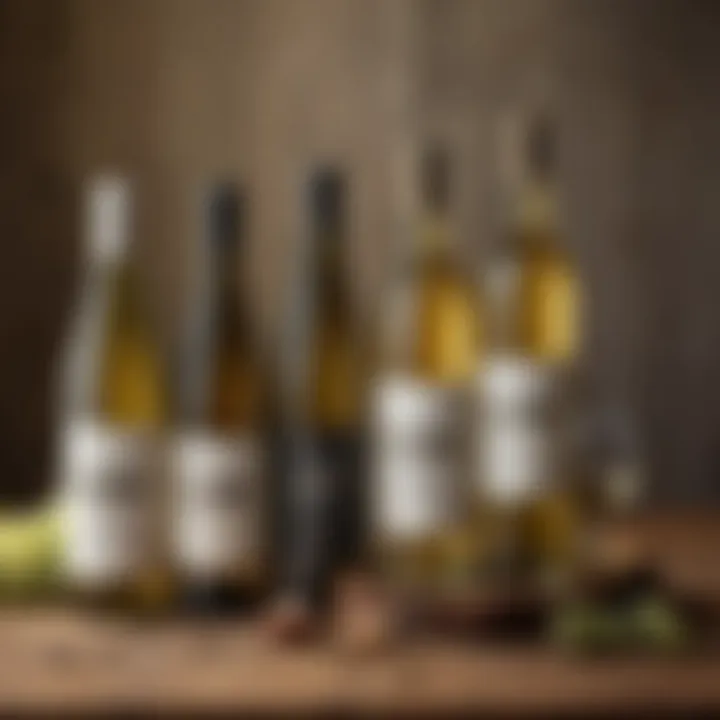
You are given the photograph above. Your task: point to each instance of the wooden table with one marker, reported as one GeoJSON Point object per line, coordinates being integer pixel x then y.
{"type": "Point", "coordinates": [54, 659]}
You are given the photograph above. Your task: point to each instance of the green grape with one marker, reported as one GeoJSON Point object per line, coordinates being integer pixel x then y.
{"type": "Point", "coordinates": [658, 625]}
{"type": "Point", "coordinates": [573, 626]}
{"type": "Point", "coordinates": [29, 552]}
{"type": "Point", "coordinates": [589, 628]}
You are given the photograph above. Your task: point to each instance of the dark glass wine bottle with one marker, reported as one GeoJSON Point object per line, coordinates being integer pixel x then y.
{"type": "Point", "coordinates": [220, 500]}
{"type": "Point", "coordinates": [321, 386]}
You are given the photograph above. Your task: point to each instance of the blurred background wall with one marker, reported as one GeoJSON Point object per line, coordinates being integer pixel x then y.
{"type": "Point", "coordinates": [176, 90]}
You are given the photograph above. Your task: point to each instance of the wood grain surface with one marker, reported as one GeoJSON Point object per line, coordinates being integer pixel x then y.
{"type": "Point", "coordinates": [63, 659]}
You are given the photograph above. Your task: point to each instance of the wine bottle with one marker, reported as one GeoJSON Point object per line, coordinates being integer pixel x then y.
{"type": "Point", "coordinates": [431, 334]}
{"type": "Point", "coordinates": [321, 416]}
{"type": "Point", "coordinates": [220, 539]}
{"type": "Point", "coordinates": [113, 411]}
{"type": "Point", "coordinates": [528, 519]}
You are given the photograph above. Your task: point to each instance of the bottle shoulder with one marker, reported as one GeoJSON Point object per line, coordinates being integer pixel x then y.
{"type": "Point", "coordinates": [430, 322]}
{"type": "Point", "coordinates": [535, 298]}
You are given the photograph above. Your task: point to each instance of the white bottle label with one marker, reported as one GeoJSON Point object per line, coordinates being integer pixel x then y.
{"type": "Point", "coordinates": [109, 496]}
{"type": "Point", "coordinates": [522, 444]}
{"type": "Point", "coordinates": [218, 504]}
{"type": "Point", "coordinates": [419, 455]}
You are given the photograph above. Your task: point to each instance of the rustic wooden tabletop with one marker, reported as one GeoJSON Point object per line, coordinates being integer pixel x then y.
{"type": "Point", "coordinates": [60, 658]}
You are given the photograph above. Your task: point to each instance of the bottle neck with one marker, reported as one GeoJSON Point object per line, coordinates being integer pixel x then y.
{"type": "Point", "coordinates": [328, 249]}
{"type": "Point", "coordinates": [112, 283]}
{"type": "Point", "coordinates": [224, 271]}
{"type": "Point", "coordinates": [534, 216]}
{"type": "Point", "coordinates": [107, 243]}
{"type": "Point", "coordinates": [435, 233]}
{"type": "Point", "coordinates": [106, 266]}
{"type": "Point", "coordinates": [223, 286]}
{"type": "Point", "coordinates": [108, 274]}
{"type": "Point", "coordinates": [108, 217]}
{"type": "Point", "coordinates": [223, 241]}
{"type": "Point", "coordinates": [528, 233]}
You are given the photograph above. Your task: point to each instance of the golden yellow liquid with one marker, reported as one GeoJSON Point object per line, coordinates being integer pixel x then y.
{"type": "Point", "coordinates": [236, 409]}
{"type": "Point", "coordinates": [130, 379]}
{"type": "Point", "coordinates": [333, 394]}
{"type": "Point", "coordinates": [549, 288]}
{"type": "Point", "coordinates": [441, 354]}
{"type": "Point", "coordinates": [447, 329]}
{"type": "Point", "coordinates": [131, 398]}
{"type": "Point", "coordinates": [237, 394]}
{"type": "Point", "coordinates": [336, 388]}
{"type": "Point", "coordinates": [546, 317]}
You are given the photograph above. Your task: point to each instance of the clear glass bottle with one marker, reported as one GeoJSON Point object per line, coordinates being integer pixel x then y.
{"type": "Point", "coordinates": [430, 340]}
{"type": "Point", "coordinates": [528, 511]}
{"type": "Point", "coordinates": [114, 410]}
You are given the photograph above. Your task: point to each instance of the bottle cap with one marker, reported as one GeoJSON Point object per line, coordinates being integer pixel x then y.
{"type": "Point", "coordinates": [108, 216]}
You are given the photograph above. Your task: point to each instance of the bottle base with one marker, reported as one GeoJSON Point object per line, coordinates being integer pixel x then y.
{"type": "Point", "coordinates": [219, 599]}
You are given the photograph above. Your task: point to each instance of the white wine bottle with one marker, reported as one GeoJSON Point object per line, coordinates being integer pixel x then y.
{"type": "Point", "coordinates": [113, 411]}
{"type": "Point", "coordinates": [528, 517]}
{"type": "Point", "coordinates": [431, 334]}
{"type": "Point", "coordinates": [321, 416]}
{"type": "Point", "coordinates": [219, 523]}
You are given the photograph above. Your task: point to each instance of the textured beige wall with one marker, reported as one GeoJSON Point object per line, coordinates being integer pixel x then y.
{"type": "Point", "coordinates": [637, 84]}
{"type": "Point", "coordinates": [177, 90]}
{"type": "Point", "coordinates": [182, 90]}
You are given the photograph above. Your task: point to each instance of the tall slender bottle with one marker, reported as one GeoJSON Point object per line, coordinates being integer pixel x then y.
{"type": "Point", "coordinates": [113, 410]}
{"type": "Point", "coordinates": [322, 404]}
{"type": "Point", "coordinates": [529, 516]}
{"type": "Point", "coordinates": [430, 341]}
{"type": "Point", "coordinates": [220, 524]}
